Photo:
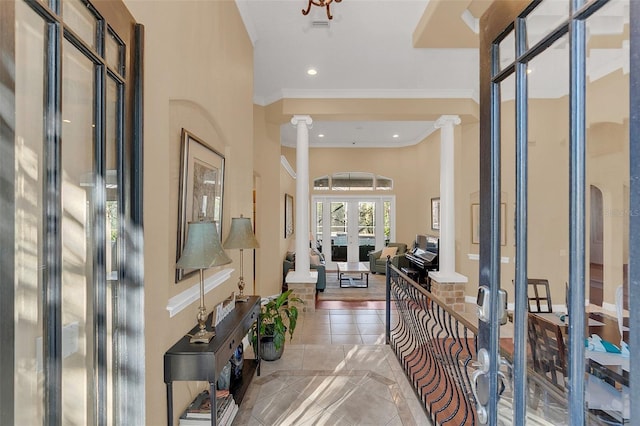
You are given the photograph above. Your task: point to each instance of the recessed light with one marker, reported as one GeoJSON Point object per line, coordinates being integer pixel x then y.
{"type": "Point", "coordinates": [321, 135]}
{"type": "Point", "coordinates": [529, 70]}
{"type": "Point", "coordinates": [66, 121]}
{"type": "Point", "coordinates": [396, 136]}
{"type": "Point", "coordinates": [312, 71]}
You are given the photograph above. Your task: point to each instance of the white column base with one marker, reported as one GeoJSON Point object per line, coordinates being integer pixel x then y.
{"type": "Point", "coordinates": [448, 277]}
{"type": "Point", "coordinates": [303, 286]}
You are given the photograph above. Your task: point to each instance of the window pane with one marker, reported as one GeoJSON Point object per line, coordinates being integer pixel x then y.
{"type": "Point", "coordinates": [29, 211]}
{"type": "Point", "coordinates": [384, 183]}
{"type": "Point", "coordinates": [321, 183]}
{"type": "Point", "coordinates": [507, 50]}
{"type": "Point", "coordinates": [81, 20]}
{"type": "Point", "coordinates": [78, 185]}
{"type": "Point", "coordinates": [339, 232]}
{"type": "Point", "coordinates": [545, 18]}
{"type": "Point", "coordinates": [113, 54]}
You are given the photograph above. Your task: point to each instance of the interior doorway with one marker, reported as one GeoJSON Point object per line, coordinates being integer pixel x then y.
{"type": "Point", "coordinates": [356, 226]}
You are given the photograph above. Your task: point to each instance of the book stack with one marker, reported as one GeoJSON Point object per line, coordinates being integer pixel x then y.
{"type": "Point", "coordinates": [198, 413]}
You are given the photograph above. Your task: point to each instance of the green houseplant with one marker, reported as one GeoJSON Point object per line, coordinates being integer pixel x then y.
{"type": "Point", "coordinates": [272, 325]}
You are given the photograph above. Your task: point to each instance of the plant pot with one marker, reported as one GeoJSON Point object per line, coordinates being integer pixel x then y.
{"type": "Point", "coordinates": [268, 351]}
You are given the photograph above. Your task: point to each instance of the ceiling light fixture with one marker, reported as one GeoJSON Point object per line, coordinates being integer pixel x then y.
{"type": "Point", "coordinates": [396, 136]}
{"type": "Point", "coordinates": [321, 135]}
{"type": "Point", "coordinates": [312, 71]}
{"type": "Point", "coordinates": [320, 3]}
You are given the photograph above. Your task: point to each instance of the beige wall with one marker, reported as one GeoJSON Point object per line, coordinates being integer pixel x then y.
{"type": "Point", "coordinates": [198, 75]}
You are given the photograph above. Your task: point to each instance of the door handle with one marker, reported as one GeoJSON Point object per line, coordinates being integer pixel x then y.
{"type": "Point", "coordinates": [483, 369]}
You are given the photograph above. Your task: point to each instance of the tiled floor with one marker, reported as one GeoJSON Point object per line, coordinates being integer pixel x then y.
{"type": "Point", "coordinates": [336, 371]}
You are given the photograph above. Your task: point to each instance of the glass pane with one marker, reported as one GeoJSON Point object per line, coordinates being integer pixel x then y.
{"type": "Point", "coordinates": [113, 53]}
{"type": "Point", "coordinates": [78, 183]}
{"type": "Point", "coordinates": [386, 216]}
{"type": "Point", "coordinates": [81, 20]}
{"type": "Point", "coordinates": [318, 230]}
{"type": "Point", "coordinates": [321, 183]}
{"type": "Point", "coordinates": [112, 226]}
{"type": "Point", "coordinates": [507, 50]}
{"type": "Point", "coordinates": [339, 231]}
{"type": "Point", "coordinates": [548, 230]}
{"type": "Point", "coordinates": [607, 204]}
{"type": "Point", "coordinates": [352, 181]}
{"type": "Point", "coordinates": [384, 183]}
{"type": "Point", "coordinates": [543, 19]}
{"type": "Point", "coordinates": [29, 211]}
{"type": "Point", "coordinates": [366, 229]}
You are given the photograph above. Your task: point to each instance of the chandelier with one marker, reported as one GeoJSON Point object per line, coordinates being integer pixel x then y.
{"type": "Point", "coordinates": [321, 3]}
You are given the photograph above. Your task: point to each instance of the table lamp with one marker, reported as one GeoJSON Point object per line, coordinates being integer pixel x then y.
{"type": "Point", "coordinates": [241, 237]}
{"type": "Point", "coordinates": [202, 250]}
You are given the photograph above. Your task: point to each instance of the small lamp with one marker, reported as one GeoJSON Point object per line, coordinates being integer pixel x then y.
{"type": "Point", "coordinates": [241, 237]}
{"type": "Point", "coordinates": [202, 250]}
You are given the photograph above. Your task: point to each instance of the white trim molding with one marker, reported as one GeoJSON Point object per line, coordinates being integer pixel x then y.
{"type": "Point", "coordinates": [180, 301]}
{"type": "Point", "coordinates": [287, 166]}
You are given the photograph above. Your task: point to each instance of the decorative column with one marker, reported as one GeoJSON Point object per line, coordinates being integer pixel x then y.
{"type": "Point", "coordinates": [302, 280]}
{"type": "Point", "coordinates": [445, 282]}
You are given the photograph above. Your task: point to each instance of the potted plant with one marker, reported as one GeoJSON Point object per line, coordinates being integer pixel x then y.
{"type": "Point", "coordinates": [272, 325]}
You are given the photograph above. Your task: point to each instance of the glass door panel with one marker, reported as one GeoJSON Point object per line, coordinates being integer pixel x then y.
{"type": "Point", "coordinates": [366, 229]}
{"type": "Point", "coordinates": [359, 225]}
{"type": "Point", "coordinates": [339, 226]}
{"type": "Point", "coordinates": [78, 204]}
{"type": "Point", "coordinates": [29, 214]}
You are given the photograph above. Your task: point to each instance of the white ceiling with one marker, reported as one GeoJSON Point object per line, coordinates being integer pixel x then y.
{"type": "Point", "coordinates": [360, 134]}
{"type": "Point", "coordinates": [366, 51]}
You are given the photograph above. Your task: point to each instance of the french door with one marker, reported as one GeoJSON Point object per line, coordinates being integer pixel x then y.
{"type": "Point", "coordinates": [555, 121]}
{"type": "Point", "coordinates": [71, 240]}
{"type": "Point", "coordinates": [357, 225]}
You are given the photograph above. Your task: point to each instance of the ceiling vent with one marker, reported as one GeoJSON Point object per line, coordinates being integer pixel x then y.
{"type": "Point", "coordinates": [320, 24]}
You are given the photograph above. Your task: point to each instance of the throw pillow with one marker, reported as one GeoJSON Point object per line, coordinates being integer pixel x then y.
{"type": "Point", "coordinates": [388, 251]}
{"type": "Point", "coordinates": [314, 260]}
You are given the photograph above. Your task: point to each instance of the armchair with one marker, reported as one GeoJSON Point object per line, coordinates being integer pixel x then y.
{"type": "Point", "coordinates": [399, 260]}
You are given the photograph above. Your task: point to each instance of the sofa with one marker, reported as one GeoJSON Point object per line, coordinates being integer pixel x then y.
{"type": "Point", "coordinates": [378, 264]}
{"type": "Point", "coordinates": [289, 263]}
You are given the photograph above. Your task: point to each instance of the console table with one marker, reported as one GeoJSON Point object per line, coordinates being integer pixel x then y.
{"type": "Point", "coordinates": [203, 362]}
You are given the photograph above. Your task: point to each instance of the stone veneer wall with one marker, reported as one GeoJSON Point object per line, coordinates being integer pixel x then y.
{"type": "Point", "coordinates": [450, 293]}
{"type": "Point", "coordinates": [307, 293]}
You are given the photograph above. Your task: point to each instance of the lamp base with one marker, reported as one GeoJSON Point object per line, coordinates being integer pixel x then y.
{"type": "Point", "coordinates": [202, 336]}
{"type": "Point", "coordinates": [242, 298]}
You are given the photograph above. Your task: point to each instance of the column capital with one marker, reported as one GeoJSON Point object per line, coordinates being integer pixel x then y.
{"type": "Point", "coordinates": [447, 120]}
{"type": "Point", "coordinates": [302, 119]}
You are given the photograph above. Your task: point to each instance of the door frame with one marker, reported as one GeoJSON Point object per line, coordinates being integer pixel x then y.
{"type": "Point", "coordinates": [499, 20]}
{"type": "Point", "coordinates": [353, 246]}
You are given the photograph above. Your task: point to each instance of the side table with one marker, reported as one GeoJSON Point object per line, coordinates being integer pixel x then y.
{"type": "Point", "coordinates": [186, 361]}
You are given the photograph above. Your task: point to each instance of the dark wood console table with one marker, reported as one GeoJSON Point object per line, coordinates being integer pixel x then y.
{"type": "Point", "coordinates": [203, 362]}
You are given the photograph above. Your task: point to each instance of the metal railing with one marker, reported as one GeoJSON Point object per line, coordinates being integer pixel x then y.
{"type": "Point", "coordinates": [435, 347]}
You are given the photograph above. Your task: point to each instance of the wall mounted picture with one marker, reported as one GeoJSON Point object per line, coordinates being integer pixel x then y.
{"type": "Point", "coordinates": [475, 224]}
{"type": "Point", "coordinates": [201, 190]}
{"type": "Point", "coordinates": [435, 213]}
{"type": "Point", "coordinates": [288, 215]}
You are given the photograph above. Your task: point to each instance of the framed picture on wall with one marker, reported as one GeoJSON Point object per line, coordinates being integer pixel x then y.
{"type": "Point", "coordinates": [201, 190]}
{"type": "Point", "coordinates": [288, 215]}
{"type": "Point", "coordinates": [435, 213]}
{"type": "Point", "coordinates": [475, 224]}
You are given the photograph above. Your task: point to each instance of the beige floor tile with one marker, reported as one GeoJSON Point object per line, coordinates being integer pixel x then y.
{"type": "Point", "coordinates": [341, 339]}
{"type": "Point", "coordinates": [367, 319]}
{"type": "Point", "coordinates": [371, 328]}
{"type": "Point", "coordinates": [373, 339]}
{"type": "Point", "coordinates": [344, 328]}
{"type": "Point", "coordinates": [325, 359]}
{"type": "Point", "coordinates": [343, 319]}
{"type": "Point", "coordinates": [316, 328]}
{"type": "Point", "coordinates": [316, 339]}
